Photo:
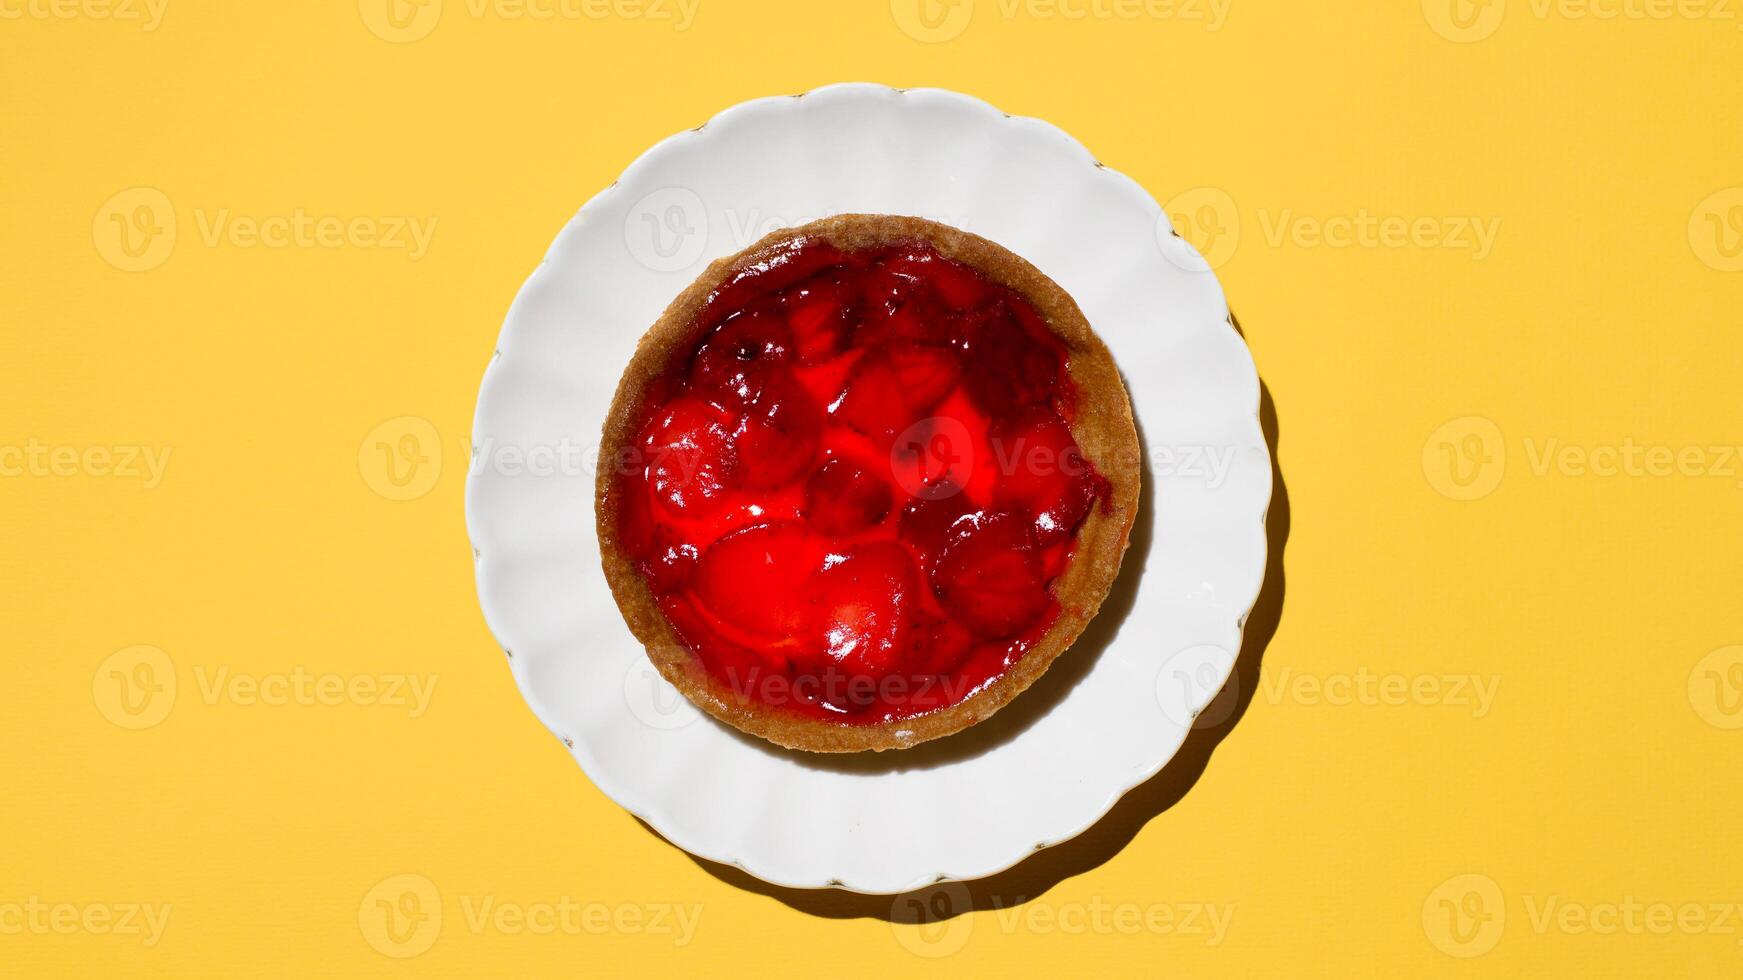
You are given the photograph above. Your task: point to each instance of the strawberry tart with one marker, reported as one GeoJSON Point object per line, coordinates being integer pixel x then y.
{"type": "Point", "coordinates": [863, 482]}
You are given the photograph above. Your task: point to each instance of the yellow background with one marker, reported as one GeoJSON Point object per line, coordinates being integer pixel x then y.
{"type": "Point", "coordinates": [1600, 607]}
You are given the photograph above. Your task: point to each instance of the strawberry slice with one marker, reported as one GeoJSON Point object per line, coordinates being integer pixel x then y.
{"type": "Point", "coordinates": [919, 318]}
{"type": "Point", "coordinates": [864, 608]}
{"type": "Point", "coordinates": [791, 263]}
{"type": "Point", "coordinates": [1006, 368]}
{"type": "Point", "coordinates": [937, 645]}
{"type": "Point", "coordinates": [1042, 472]}
{"type": "Point", "coordinates": [926, 521]}
{"type": "Point", "coordinates": [688, 453]}
{"type": "Point", "coordinates": [737, 360]}
{"type": "Point", "coordinates": [778, 436]}
{"type": "Point", "coordinates": [958, 286]}
{"type": "Point", "coordinates": [672, 564]}
{"type": "Point", "coordinates": [915, 295]}
{"type": "Point", "coordinates": [739, 664]}
{"type": "Point", "coordinates": [925, 374]}
{"type": "Point", "coordinates": [900, 304]}
{"type": "Point", "coordinates": [843, 498]}
{"type": "Point", "coordinates": [893, 386]}
{"type": "Point", "coordinates": [821, 314]}
{"type": "Point", "coordinates": [887, 287]}
{"type": "Point", "coordinates": [989, 577]}
{"type": "Point", "coordinates": [747, 578]}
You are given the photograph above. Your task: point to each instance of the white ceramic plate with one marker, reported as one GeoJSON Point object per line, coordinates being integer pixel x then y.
{"type": "Point", "coordinates": [1108, 714]}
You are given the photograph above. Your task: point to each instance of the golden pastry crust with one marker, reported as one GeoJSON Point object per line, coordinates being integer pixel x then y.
{"type": "Point", "coordinates": [1103, 428]}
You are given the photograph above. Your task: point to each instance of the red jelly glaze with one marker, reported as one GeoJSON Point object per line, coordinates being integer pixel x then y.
{"type": "Point", "coordinates": [854, 489]}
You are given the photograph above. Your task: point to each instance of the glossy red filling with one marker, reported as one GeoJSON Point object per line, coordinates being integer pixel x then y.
{"type": "Point", "coordinates": [851, 493]}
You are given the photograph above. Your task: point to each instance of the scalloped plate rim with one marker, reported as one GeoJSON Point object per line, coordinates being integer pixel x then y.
{"type": "Point", "coordinates": [636, 803]}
